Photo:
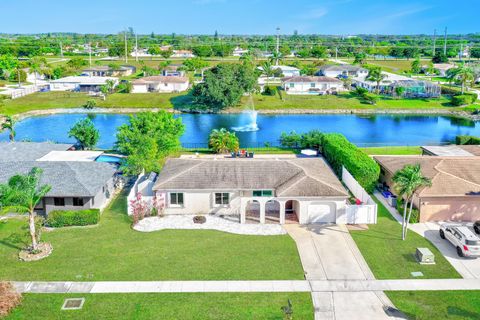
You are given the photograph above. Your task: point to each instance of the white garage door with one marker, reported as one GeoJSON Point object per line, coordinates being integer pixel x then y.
{"type": "Point", "coordinates": [321, 213]}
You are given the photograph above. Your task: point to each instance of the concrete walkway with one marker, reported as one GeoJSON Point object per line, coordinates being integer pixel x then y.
{"type": "Point", "coordinates": [319, 286]}
{"type": "Point", "coordinates": [468, 268]}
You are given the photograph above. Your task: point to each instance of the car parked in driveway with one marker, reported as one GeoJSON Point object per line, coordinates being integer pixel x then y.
{"type": "Point", "coordinates": [465, 241]}
{"type": "Point", "coordinates": [476, 227]}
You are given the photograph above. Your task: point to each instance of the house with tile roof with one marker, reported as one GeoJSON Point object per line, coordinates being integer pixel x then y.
{"type": "Point", "coordinates": [455, 191]}
{"type": "Point", "coordinates": [303, 190]}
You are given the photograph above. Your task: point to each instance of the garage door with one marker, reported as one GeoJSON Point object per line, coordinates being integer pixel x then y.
{"type": "Point", "coordinates": [321, 213]}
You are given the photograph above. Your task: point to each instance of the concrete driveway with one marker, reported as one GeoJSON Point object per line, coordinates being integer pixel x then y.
{"type": "Point", "coordinates": [328, 252]}
{"type": "Point", "coordinates": [469, 268]}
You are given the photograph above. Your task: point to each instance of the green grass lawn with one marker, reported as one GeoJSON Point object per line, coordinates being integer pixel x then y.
{"type": "Point", "coordinates": [345, 101]}
{"type": "Point", "coordinates": [393, 150]}
{"type": "Point", "coordinates": [426, 305]}
{"type": "Point", "coordinates": [389, 257]}
{"type": "Point", "coordinates": [113, 251]}
{"type": "Point", "coordinates": [166, 306]}
{"type": "Point", "coordinates": [393, 65]}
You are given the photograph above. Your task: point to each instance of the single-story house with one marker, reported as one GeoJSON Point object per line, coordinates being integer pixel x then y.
{"type": "Point", "coordinates": [455, 191]}
{"type": "Point", "coordinates": [311, 85]}
{"type": "Point", "coordinates": [160, 84]}
{"type": "Point", "coordinates": [303, 190]}
{"type": "Point", "coordinates": [440, 68]}
{"type": "Point", "coordinates": [412, 88]}
{"type": "Point", "coordinates": [107, 71]}
{"type": "Point", "coordinates": [342, 70]}
{"type": "Point", "coordinates": [173, 70]}
{"type": "Point", "coordinates": [77, 181]}
{"type": "Point", "coordinates": [182, 54]}
{"type": "Point", "coordinates": [286, 71]}
{"type": "Point", "coordinates": [452, 150]}
{"type": "Point", "coordinates": [80, 83]}
{"type": "Point", "coordinates": [238, 52]}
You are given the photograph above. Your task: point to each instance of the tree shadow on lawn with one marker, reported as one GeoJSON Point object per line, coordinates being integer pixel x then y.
{"type": "Point", "coordinates": [459, 312]}
{"type": "Point", "coordinates": [183, 103]}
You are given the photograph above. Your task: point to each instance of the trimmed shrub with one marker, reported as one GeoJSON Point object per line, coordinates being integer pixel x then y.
{"type": "Point", "coordinates": [65, 218]}
{"type": "Point", "coordinates": [340, 152]}
{"type": "Point", "coordinates": [199, 219]}
{"type": "Point", "coordinates": [467, 140]}
{"type": "Point", "coordinates": [270, 91]}
{"type": "Point", "coordinates": [461, 100]}
{"type": "Point", "coordinates": [371, 98]}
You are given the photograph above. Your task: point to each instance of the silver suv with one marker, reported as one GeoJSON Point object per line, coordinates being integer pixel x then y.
{"type": "Point", "coordinates": [465, 241]}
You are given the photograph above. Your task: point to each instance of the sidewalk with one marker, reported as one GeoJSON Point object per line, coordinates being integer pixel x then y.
{"type": "Point", "coordinates": [326, 286]}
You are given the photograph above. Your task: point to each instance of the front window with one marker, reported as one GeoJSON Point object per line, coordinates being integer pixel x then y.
{"type": "Point", "coordinates": [312, 85]}
{"type": "Point", "coordinates": [78, 202]}
{"type": "Point", "coordinates": [176, 199]}
{"type": "Point", "coordinates": [222, 198]}
{"type": "Point", "coordinates": [291, 85]}
{"type": "Point", "coordinates": [262, 193]}
{"type": "Point", "coordinates": [59, 202]}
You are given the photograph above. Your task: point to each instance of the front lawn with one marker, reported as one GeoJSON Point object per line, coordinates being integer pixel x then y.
{"type": "Point", "coordinates": [113, 251]}
{"type": "Point", "coordinates": [389, 257]}
{"type": "Point", "coordinates": [393, 150]}
{"type": "Point", "coordinates": [426, 305]}
{"type": "Point", "coordinates": [166, 306]}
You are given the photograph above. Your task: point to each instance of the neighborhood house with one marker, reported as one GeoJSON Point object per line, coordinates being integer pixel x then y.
{"type": "Point", "coordinates": [81, 83]}
{"type": "Point", "coordinates": [342, 70]}
{"type": "Point", "coordinates": [253, 190]}
{"type": "Point", "coordinates": [285, 71]}
{"type": "Point", "coordinates": [78, 181]}
{"type": "Point", "coordinates": [108, 71]}
{"type": "Point", "coordinates": [455, 191]}
{"type": "Point", "coordinates": [160, 84]}
{"type": "Point", "coordinates": [311, 85]}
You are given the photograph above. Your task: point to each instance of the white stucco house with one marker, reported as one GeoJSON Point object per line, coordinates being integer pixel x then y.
{"type": "Point", "coordinates": [160, 84]}
{"type": "Point", "coordinates": [287, 71]}
{"type": "Point", "coordinates": [311, 85]}
{"type": "Point", "coordinates": [81, 83]}
{"type": "Point", "coordinates": [342, 70]}
{"type": "Point", "coordinates": [267, 190]}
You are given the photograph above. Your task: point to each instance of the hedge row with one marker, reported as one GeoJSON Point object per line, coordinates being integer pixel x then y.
{"type": "Point", "coordinates": [469, 140]}
{"type": "Point", "coordinates": [65, 218]}
{"type": "Point", "coordinates": [340, 152]}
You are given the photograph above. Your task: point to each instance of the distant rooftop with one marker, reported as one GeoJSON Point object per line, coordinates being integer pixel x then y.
{"type": "Point", "coordinates": [71, 156]}
{"type": "Point", "coordinates": [85, 80]}
{"type": "Point", "coordinates": [452, 151]}
{"type": "Point", "coordinates": [29, 151]}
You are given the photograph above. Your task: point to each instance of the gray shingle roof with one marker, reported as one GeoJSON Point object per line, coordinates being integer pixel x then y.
{"type": "Point", "coordinates": [78, 179]}
{"type": "Point", "coordinates": [28, 151]}
{"type": "Point", "coordinates": [341, 67]}
{"type": "Point", "coordinates": [292, 177]}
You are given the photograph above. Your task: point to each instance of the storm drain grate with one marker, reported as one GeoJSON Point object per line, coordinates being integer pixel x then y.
{"type": "Point", "coordinates": [73, 304]}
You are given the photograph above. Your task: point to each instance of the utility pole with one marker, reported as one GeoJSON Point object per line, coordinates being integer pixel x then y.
{"type": "Point", "coordinates": [336, 54]}
{"type": "Point", "coordinates": [445, 43]}
{"type": "Point", "coordinates": [460, 54]}
{"type": "Point", "coordinates": [126, 49]}
{"type": "Point", "coordinates": [136, 47]}
{"type": "Point", "coordinates": [61, 49]}
{"type": "Point", "coordinates": [434, 41]}
{"type": "Point", "coordinates": [90, 53]}
{"type": "Point", "coordinates": [278, 44]}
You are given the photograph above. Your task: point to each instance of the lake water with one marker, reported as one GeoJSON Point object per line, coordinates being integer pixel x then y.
{"type": "Point", "coordinates": [372, 129]}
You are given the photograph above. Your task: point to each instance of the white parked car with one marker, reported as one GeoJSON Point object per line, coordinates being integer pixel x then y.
{"type": "Point", "coordinates": [465, 241]}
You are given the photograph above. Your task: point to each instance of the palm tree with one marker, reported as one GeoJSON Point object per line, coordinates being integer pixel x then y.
{"type": "Point", "coordinates": [21, 194]}
{"type": "Point", "coordinates": [223, 141]}
{"type": "Point", "coordinates": [110, 83]}
{"type": "Point", "coordinates": [376, 75]}
{"type": "Point", "coordinates": [9, 124]}
{"type": "Point", "coordinates": [463, 74]}
{"type": "Point", "coordinates": [276, 58]}
{"type": "Point", "coordinates": [268, 70]}
{"type": "Point", "coordinates": [407, 181]}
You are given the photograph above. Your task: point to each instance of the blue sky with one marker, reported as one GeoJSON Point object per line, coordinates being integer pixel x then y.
{"type": "Point", "coordinates": [241, 16]}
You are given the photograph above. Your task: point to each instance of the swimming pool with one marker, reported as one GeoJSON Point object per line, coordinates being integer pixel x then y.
{"type": "Point", "coordinates": [109, 158]}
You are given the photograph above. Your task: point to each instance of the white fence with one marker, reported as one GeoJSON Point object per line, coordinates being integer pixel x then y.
{"type": "Point", "coordinates": [142, 185]}
{"type": "Point", "coordinates": [365, 213]}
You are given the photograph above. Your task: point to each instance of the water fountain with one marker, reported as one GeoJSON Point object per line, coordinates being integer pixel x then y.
{"type": "Point", "coordinates": [248, 120]}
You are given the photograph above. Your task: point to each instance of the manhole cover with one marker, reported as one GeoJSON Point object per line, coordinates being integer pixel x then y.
{"type": "Point", "coordinates": [73, 304]}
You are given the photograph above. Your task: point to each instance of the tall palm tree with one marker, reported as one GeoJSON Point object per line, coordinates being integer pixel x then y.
{"type": "Point", "coordinates": [223, 141]}
{"type": "Point", "coordinates": [276, 58]}
{"type": "Point", "coordinates": [463, 74]}
{"type": "Point", "coordinates": [9, 124]}
{"type": "Point", "coordinates": [407, 181]}
{"type": "Point", "coordinates": [21, 194]}
{"type": "Point", "coordinates": [376, 75]}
